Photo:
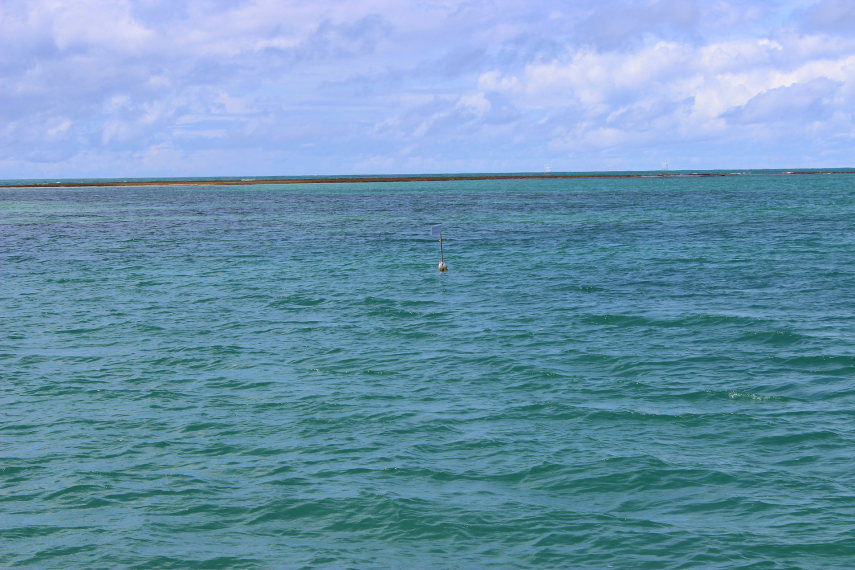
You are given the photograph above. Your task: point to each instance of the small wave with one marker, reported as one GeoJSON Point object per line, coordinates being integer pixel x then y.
{"type": "Point", "coordinates": [295, 301]}
{"type": "Point", "coordinates": [690, 322]}
{"type": "Point", "coordinates": [81, 330]}
{"type": "Point", "coordinates": [734, 395]}
{"type": "Point", "coordinates": [832, 364]}
{"type": "Point", "coordinates": [814, 438]}
{"type": "Point", "coordinates": [74, 493]}
{"type": "Point", "coordinates": [779, 337]}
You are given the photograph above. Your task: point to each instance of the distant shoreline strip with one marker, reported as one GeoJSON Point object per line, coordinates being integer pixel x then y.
{"type": "Point", "coordinates": [380, 179]}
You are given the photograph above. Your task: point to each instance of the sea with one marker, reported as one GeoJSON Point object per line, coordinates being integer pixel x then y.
{"type": "Point", "coordinates": [647, 372]}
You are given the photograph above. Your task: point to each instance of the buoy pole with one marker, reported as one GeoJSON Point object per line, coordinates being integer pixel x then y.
{"type": "Point", "coordinates": [442, 266]}
{"type": "Point", "coordinates": [436, 230]}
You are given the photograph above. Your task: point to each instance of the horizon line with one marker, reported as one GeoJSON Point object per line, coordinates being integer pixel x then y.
{"type": "Point", "coordinates": [378, 178]}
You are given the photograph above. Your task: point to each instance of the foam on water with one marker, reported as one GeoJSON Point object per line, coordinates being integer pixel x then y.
{"type": "Point", "coordinates": [631, 372]}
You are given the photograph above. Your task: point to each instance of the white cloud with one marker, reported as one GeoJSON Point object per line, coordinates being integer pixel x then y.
{"type": "Point", "coordinates": [807, 101]}
{"type": "Point", "coordinates": [625, 98]}
{"type": "Point", "coordinates": [59, 130]}
{"type": "Point", "coordinates": [475, 104]}
{"type": "Point", "coordinates": [492, 81]}
{"type": "Point", "coordinates": [266, 81]}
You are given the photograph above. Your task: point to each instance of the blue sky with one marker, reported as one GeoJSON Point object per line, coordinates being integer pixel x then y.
{"type": "Point", "coordinates": [263, 87]}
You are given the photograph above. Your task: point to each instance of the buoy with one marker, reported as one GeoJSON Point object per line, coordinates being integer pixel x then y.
{"type": "Point", "coordinates": [436, 230]}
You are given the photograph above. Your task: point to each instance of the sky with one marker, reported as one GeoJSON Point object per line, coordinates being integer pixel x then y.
{"type": "Point", "coordinates": [148, 88]}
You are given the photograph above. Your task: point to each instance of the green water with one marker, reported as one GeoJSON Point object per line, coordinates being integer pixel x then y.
{"type": "Point", "coordinates": [622, 372]}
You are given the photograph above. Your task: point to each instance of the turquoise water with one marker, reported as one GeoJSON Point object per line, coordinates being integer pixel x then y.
{"type": "Point", "coordinates": [638, 373]}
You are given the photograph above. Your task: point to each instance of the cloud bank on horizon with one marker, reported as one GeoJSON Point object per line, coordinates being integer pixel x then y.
{"type": "Point", "coordinates": [282, 87]}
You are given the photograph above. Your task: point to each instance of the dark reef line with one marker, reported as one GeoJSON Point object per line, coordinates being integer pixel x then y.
{"type": "Point", "coordinates": [378, 179]}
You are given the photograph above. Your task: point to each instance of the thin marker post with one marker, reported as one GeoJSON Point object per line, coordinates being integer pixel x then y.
{"type": "Point", "coordinates": [435, 230]}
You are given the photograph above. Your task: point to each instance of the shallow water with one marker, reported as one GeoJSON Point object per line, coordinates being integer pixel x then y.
{"type": "Point", "coordinates": [630, 372]}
